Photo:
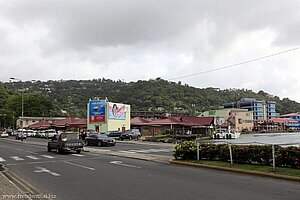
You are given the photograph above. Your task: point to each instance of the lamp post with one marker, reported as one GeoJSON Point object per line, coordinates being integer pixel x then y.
{"type": "Point", "coordinates": [22, 112]}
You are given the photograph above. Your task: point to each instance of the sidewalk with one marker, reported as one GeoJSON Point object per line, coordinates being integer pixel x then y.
{"type": "Point", "coordinates": [9, 190]}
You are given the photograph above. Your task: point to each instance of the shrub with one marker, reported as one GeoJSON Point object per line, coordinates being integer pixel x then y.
{"type": "Point", "coordinates": [250, 154]}
{"type": "Point", "coordinates": [186, 150]}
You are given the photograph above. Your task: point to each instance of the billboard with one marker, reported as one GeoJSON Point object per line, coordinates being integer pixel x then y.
{"type": "Point", "coordinates": [97, 109]}
{"type": "Point", "coordinates": [116, 111]}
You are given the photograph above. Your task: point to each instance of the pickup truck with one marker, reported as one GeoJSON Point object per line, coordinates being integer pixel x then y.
{"type": "Point", "coordinates": [66, 141]}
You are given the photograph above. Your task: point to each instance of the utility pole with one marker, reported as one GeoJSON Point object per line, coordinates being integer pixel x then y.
{"type": "Point", "coordinates": [22, 111]}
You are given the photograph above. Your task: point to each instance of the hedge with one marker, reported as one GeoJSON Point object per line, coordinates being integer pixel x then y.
{"type": "Point", "coordinates": [242, 154]}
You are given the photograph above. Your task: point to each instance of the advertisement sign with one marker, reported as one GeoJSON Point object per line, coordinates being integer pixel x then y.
{"type": "Point", "coordinates": [116, 111]}
{"type": "Point", "coordinates": [97, 110]}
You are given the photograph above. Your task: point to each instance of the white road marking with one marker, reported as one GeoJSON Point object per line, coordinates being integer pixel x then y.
{"type": "Point", "coordinates": [122, 164]}
{"type": "Point", "coordinates": [47, 156]}
{"type": "Point", "coordinates": [78, 155]}
{"type": "Point", "coordinates": [130, 151]}
{"type": "Point", "coordinates": [1, 159]}
{"type": "Point", "coordinates": [32, 157]}
{"type": "Point", "coordinates": [85, 167]}
{"type": "Point", "coordinates": [17, 158]}
{"type": "Point", "coordinates": [42, 169]}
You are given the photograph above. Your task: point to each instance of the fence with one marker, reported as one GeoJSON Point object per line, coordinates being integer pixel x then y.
{"type": "Point", "coordinates": [230, 144]}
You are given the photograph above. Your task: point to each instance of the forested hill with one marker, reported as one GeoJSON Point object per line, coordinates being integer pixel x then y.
{"type": "Point", "coordinates": [152, 95]}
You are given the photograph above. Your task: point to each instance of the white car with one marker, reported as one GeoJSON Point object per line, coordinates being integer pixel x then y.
{"type": "Point", "coordinates": [4, 134]}
{"type": "Point", "coordinates": [50, 133]}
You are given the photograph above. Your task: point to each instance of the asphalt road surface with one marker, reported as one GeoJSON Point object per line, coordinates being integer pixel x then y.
{"type": "Point", "coordinates": [97, 176]}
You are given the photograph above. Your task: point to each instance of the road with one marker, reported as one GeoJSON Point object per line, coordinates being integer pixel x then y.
{"type": "Point", "coordinates": [98, 176]}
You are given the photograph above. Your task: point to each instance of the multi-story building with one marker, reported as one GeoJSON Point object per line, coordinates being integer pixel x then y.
{"type": "Point", "coordinates": [239, 119]}
{"type": "Point", "coordinates": [262, 110]}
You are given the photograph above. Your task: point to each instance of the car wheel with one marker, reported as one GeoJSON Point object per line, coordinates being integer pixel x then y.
{"type": "Point", "coordinates": [138, 137]}
{"type": "Point", "coordinates": [58, 150]}
{"type": "Point", "coordinates": [78, 151]}
{"type": "Point", "coordinates": [86, 143]}
{"type": "Point", "coordinates": [49, 149]}
{"type": "Point", "coordinates": [130, 138]}
{"type": "Point", "coordinates": [99, 144]}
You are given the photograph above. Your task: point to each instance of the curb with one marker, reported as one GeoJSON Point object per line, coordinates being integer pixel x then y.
{"type": "Point", "coordinates": [262, 174]}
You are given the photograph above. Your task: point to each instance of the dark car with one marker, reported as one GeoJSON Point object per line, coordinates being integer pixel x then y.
{"type": "Point", "coordinates": [99, 140]}
{"type": "Point", "coordinates": [131, 134]}
{"type": "Point", "coordinates": [68, 141]}
{"type": "Point", "coordinates": [114, 134]}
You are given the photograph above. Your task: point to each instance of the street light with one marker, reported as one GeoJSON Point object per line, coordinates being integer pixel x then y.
{"type": "Point", "coordinates": [12, 78]}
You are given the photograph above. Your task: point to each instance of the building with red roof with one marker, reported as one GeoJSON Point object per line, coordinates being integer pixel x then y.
{"type": "Point", "coordinates": [43, 124]}
{"type": "Point", "coordinates": [70, 123]}
{"type": "Point", "coordinates": [178, 125]}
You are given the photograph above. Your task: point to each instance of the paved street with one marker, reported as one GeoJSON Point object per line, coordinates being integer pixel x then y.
{"type": "Point", "coordinates": [97, 176]}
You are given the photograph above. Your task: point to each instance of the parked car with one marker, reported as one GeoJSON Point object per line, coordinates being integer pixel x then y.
{"type": "Point", "coordinates": [87, 133]}
{"type": "Point", "coordinates": [41, 134]}
{"type": "Point", "coordinates": [9, 131]}
{"type": "Point", "coordinates": [67, 141]}
{"type": "Point", "coordinates": [21, 134]}
{"type": "Point", "coordinates": [131, 134]}
{"type": "Point", "coordinates": [4, 134]}
{"type": "Point", "coordinates": [114, 134]}
{"type": "Point", "coordinates": [29, 133]}
{"type": "Point", "coordinates": [99, 140]}
{"type": "Point", "coordinates": [50, 133]}
{"type": "Point", "coordinates": [14, 132]}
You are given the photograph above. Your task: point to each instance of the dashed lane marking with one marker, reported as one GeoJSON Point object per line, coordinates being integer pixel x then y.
{"type": "Point", "coordinates": [32, 157]}
{"type": "Point", "coordinates": [17, 158]}
{"type": "Point", "coordinates": [47, 156]}
{"type": "Point", "coordinates": [2, 160]}
{"type": "Point", "coordinates": [78, 155]}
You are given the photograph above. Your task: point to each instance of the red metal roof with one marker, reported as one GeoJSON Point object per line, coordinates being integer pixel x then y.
{"type": "Point", "coordinates": [43, 124]}
{"type": "Point", "coordinates": [69, 121]}
{"type": "Point", "coordinates": [186, 121]}
{"type": "Point", "coordinates": [139, 121]}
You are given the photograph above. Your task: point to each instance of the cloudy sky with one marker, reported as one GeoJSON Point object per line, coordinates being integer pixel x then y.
{"type": "Point", "coordinates": [135, 40]}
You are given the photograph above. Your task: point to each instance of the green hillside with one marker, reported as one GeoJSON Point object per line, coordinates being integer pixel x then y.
{"type": "Point", "coordinates": [152, 95]}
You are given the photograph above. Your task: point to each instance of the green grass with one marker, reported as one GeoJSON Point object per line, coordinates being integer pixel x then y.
{"type": "Point", "coordinates": [255, 168]}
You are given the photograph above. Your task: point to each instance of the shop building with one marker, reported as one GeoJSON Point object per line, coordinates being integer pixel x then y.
{"type": "Point", "coordinates": [104, 116]}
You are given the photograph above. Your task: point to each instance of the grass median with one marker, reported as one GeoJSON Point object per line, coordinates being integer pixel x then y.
{"type": "Point", "coordinates": [257, 169]}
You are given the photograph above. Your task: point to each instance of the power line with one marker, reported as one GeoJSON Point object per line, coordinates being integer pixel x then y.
{"type": "Point", "coordinates": [236, 64]}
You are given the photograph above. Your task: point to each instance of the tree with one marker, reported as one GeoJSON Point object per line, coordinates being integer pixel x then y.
{"type": "Point", "coordinates": [35, 105]}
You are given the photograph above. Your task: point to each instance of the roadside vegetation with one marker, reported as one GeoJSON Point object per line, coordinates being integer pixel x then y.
{"type": "Point", "coordinates": [245, 157]}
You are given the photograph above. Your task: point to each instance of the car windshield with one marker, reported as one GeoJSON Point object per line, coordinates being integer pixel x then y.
{"type": "Point", "coordinates": [70, 136]}
{"type": "Point", "coordinates": [101, 135]}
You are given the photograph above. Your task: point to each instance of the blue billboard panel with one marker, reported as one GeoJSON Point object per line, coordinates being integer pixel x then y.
{"type": "Point", "coordinates": [97, 109]}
